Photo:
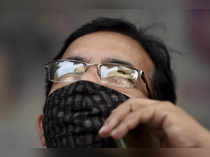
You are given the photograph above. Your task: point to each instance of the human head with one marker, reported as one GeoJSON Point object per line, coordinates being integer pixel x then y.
{"type": "Point", "coordinates": [162, 81]}
{"type": "Point", "coordinates": [114, 38]}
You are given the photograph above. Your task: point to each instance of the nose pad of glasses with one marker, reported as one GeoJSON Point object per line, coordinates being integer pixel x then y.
{"type": "Point", "coordinates": [91, 75]}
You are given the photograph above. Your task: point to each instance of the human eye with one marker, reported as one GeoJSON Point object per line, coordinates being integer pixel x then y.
{"type": "Point", "coordinates": [119, 71]}
{"type": "Point", "coordinates": [117, 74]}
{"type": "Point", "coordinates": [66, 70]}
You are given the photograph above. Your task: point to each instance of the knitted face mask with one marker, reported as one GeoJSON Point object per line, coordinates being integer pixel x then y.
{"type": "Point", "coordinates": [74, 114]}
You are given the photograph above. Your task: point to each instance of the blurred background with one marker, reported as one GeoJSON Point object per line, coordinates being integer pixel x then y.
{"type": "Point", "coordinates": [32, 32]}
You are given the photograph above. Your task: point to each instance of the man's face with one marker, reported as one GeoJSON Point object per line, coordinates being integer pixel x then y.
{"type": "Point", "coordinates": [108, 47]}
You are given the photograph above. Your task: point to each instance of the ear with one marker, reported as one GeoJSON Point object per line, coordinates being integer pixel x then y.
{"type": "Point", "coordinates": [40, 129]}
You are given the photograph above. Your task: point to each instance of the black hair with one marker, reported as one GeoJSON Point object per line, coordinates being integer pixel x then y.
{"type": "Point", "coordinates": [163, 81]}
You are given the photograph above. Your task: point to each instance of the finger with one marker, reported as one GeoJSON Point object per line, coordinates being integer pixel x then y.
{"type": "Point", "coordinates": [114, 119]}
{"type": "Point", "coordinates": [121, 112]}
{"type": "Point", "coordinates": [131, 121]}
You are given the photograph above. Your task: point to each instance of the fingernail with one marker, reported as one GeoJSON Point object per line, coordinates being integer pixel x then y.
{"type": "Point", "coordinates": [102, 129]}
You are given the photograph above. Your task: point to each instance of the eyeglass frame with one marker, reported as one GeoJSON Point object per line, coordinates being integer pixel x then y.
{"type": "Point", "coordinates": [87, 65]}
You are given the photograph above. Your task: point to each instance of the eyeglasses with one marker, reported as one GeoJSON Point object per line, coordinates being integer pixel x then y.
{"type": "Point", "coordinates": [113, 74]}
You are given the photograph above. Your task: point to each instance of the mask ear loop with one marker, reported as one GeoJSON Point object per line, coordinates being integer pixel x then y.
{"type": "Point", "coordinates": [147, 86]}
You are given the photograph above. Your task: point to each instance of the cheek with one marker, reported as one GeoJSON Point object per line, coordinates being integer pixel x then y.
{"type": "Point", "coordinates": [132, 92]}
{"type": "Point", "coordinates": [56, 86]}
{"type": "Point", "coordinates": [139, 91]}
{"type": "Point", "coordinates": [136, 93]}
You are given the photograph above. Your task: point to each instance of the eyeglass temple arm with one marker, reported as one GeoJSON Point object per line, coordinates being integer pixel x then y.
{"type": "Point", "coordinates": [147, 86]}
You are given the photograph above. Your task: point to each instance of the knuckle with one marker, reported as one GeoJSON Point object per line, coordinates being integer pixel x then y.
{"type": "Point", "coordinates": [168, 103]}
{"type": "Point", "coordinates": [129, 126]}
{"type": "Point", "coordinates": [116, 120]}
{"type": "Point", "coordinates": [165, 105]}
{"type": "Point", "coordinates": [133, 106]}
{"type": "Point", "coordinates": [115, 114]}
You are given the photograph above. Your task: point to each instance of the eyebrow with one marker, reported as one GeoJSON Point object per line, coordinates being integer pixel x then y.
{"type": "Point", "coordinates": [78, 58]}
{"type": "Point", "coordinates": [118, 61]}
{"type": "Point", "coordinates": [108, 60]}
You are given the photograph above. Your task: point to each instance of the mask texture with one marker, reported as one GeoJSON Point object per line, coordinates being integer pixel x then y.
{"type": "Point", "coordinates": [74, 114]}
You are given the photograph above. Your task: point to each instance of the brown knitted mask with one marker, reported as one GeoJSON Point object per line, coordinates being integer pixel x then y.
{"type": "Point", "coordinates": [74, 114]}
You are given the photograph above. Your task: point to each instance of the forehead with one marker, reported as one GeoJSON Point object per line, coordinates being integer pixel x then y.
{"type": "Point", "coordinates": [99, 46]}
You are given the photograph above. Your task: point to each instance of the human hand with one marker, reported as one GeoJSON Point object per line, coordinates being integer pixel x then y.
{"type": "Point", "coordinates": [180, 129]}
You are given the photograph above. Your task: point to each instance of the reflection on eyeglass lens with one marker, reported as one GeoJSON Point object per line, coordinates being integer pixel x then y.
{"type": "Point", "coordinates": [70, 71]}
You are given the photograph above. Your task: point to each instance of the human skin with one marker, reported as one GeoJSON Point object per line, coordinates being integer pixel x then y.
{"type": "Point", "coordinates": [176, 128]}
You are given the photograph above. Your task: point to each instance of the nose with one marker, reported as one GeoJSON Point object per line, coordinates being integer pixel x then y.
{"type": "Point", "coordinates": [91, 75]}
